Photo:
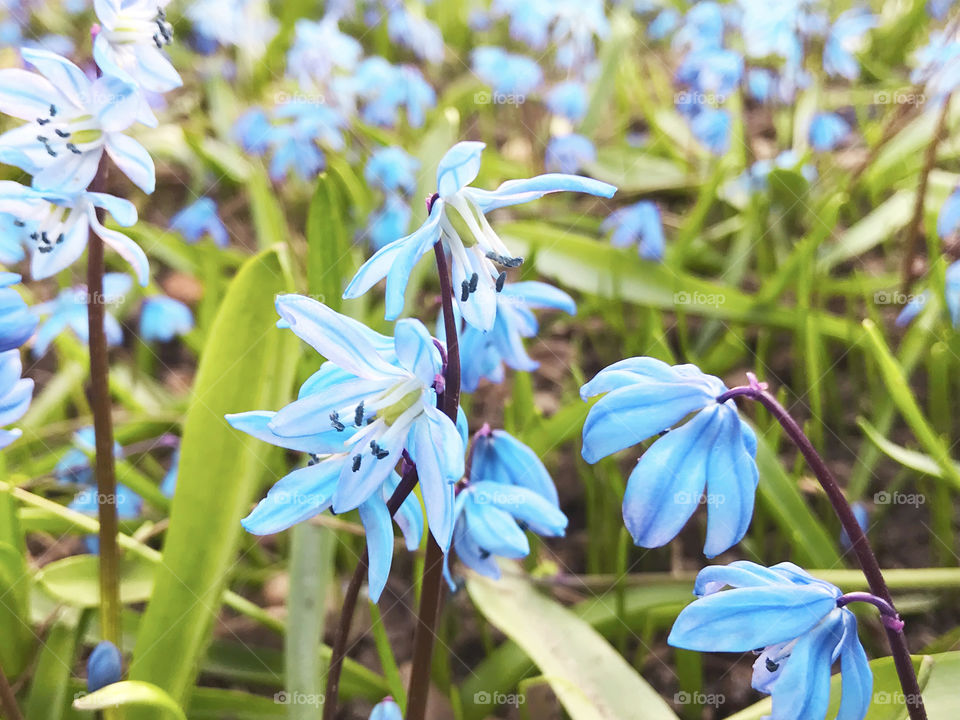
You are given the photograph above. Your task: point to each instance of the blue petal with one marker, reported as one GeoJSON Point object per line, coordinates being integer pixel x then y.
{"type": "Point", "coordinates": [409, 516]}
{"type": "Point", "coordinates": [104, 666]}
{"type": "Point", "coordinates": [666, 485]}
{"type": "Point", "coordinates": [747, 618]}
{"type": "Point", "coordinates": [296, 497]}
{"type": "Point", "coordinates": [133, 159]}
{"type": "Point", "coordinates": [25, 95]}
{"type": "Point", "coordinates": [386, 710]}
{"type": "Point", "coordinates": [540, 295]}
{"type": "Point", "coordinates": [496, 531]}
{"type": "Point", "coordinates": [857, 678]}
{"type": "Point", "coordinates": [731, 484]}
{"type": "Point", "coordinates": [458, 167]}
{"type": "Point", "coordinates": [416, 351]}
{"type": "Point", "coordinates": [542, 516]}
{"type": "Point", "coordinates": [634, 413]}
{"type": "Point", "coordinates": [257, 424]}
{"type": "Point", "coordinates": [379, 530]}
{"type": "Point", "coordinates": [740, 573]}
{"type": "Point", "coordinates": [66, 77]}
{"type": "Point", "coordinates": [343, 340]}
{"type": "Point", "coordinates": [121, 209]}
{"type": "Point", "coordinates": [437, 449]}
{"type": "Point", "coordinates": [123, 246]}
{"type": "Point", "coordinates": [514, 192]}
{"type": "Point", "coordinates": [803, 688]}
{"type": "Point", "coordinates": [471, 554]}
{"type": "Point", "coordinates": [395, 262]}
{"type": "Point", "coordinates": [311, 414]}
{"type": "Point", "coordinates": [501, 458]}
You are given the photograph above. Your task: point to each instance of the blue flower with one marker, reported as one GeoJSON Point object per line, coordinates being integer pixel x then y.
{"type": "Point", "coordinates": [372, 402]}
{"type": "Point", "coordinates": [568, 153]}
{"type": "Point", "coordinates": [638, 224]}
{"type": "Point", "coordinates": [938, 68]}
{"type": "Point", "coordinates": [169, 484]}
{"type": "Point", "coordinates": [712, 128]}
{"type": "Point", "coordinates": [58, 225]}
{"type": "Point", "coordinates": [11, 240]}
{"type": "Point", "coordinates": [392, 170]}
{"type": "Point", "coordinates": [663, 24]}
{"type": "Point", "coordinates": [568, 99]}
{"type": "Point", "coordinates": [130, 40]}
{"type": "Point", "coordinates": [702, 27]}
{"type": "Point", "coordinates": [389, 222]}
{"type": "Point", "coordinates": [15, 395]}
{"type": "Point", "coordinates": [827, 131]}
{"type": "Point", "coordinates": [475, 276]}
{"type": "Point", "coordinates": [844, 39]}
{"type": "Point", "coordinates": [797, 622]}
{"type": "Point", "coordinates": [74, 466]}
{"type": "Point", "coordinates": [506, 73]}
{"type": "Point", "coordinates": [17, 323]}
{"type": "Point", "coordinates": [69, 310]}
{"type": "Point", "coordinates": [163, 318]}
{"type": "Point", "coordinates": [70, 122]}
{"type": "Point", "coordinates": [937, 9]}
{"type": "Point", "coordinates": [247, 24]}
{"type": "Point", "coordinates": [952, 292]}
{"type": "Point", "coordinates": [104, 666]}
{"type": "Point", "coordinates": [386, 709]}
{"type": "Point", "coordinates": [713, 453]}
{"type": "Point", "coordinates": [484, 354]}
{"type": "Point", "coordinates": [948, 221]}
{"type": "Point", "coordinates": [198, 219]}
{"type": "Point", "coordinates": [712, 70]}
{"type": "Point", "coordinates": [385, 88]}
{"type": "Point", "coordinates": [253, 131]}
{"type": "Point", "coordinates": [508, 491]}
{"type": "Point", "coordinates": [762, 84]}
{"type": "Point", "coordinates": [415, 33]}
{"type": "Point", "coordinates": [303, 127]}
{"type": "Point", "coordinates": [319, 48]}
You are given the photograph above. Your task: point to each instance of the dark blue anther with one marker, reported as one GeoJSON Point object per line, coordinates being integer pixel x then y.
{"type": "Point", "coordinates": [358, 415]}
{"type": "Point", "coordinates": [356, 462]}
{"type": "Point", "coordinates": [501, 279]}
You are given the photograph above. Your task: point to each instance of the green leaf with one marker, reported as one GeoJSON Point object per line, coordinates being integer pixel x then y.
{"type": "Point", "coordinates": [882, 222]}
{"type": "Point", "coordinates": [908, 458]}
{"type": "Point", "coordinates": [248, 364]}
{"type": "Point", "coordinates": [74, 581]}
{"type": "Point", "coordinates": [592, 681]}
{"type": "Point", "coordinates": [895, 380]}
{"type": "Point", "coordinates": [51, 678]}
{"type": "Point", "coordinates": [269, 222]}
{"type": "Point", "coordinates": [328, 244]}
{"type": "Point", "coordinates": [129, 693]}
{"type": "Point", "coordinates": [637, 171]}
{"type": "Point", "coordinates": [18, 638]}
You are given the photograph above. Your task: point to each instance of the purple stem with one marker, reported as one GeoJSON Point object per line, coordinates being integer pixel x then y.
{"type": "Point", "coordinates": [888, 613]}
{"type": "Point", "coordinates": [868, 561]}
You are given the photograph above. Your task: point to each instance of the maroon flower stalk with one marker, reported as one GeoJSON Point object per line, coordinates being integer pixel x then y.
{"type": "Point", "coordinates": [758, 392]}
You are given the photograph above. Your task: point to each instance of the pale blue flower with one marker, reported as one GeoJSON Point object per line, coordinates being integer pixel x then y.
{"type": "Point", "coordinates": [713, 454]}
{"type": "Point", "coordinates": [938, 8]}
{"type": "Point", "coordinates": [104, 666]}
{"type": "Point", "coordinates": [169, 484]}
{"type": "Point", "coordinates": [303, 129]}
{"type": "Point", "coordinates": [938, 68]}
{"type": "Point", "coordinates": [15, 395]}
{"type": "Point", "coordinates": [948, 221]}
{"type": "Point", "coordinates": [246, 24]}
{"type": "Point", "coordinates": [827, 131]}
{"type": "Point", "coordinates": [372, 402]}
{"type": "Point", "coordinates": [529, 19]}
{"type": "Point", "coordinates": [762, 84]}
{"type": "Point", "coordinates": [415, 33]}
{"type": "Point", "coordinates": [663, 24]}
{"type": "Point", "coordinates": [569, 153]}
{"type": "Point", "coordinates": [715, 71]}
{"type": "Point", "coordinates": [69, 310]}
{"type": "Point", "coordinates": [508, 492]}
{"type": "Point", "coordinates": [392, 170]}
{"type": "Point", "coordinates": [484, 354]}
{"type": "Point", "coordinates": [129, 44]}
{"type": "Point", "coordinates": [11, 240]}
{"type": "Point", "coordinates": [702, 28]}
{"type": "Point", "coordinates": [389, 222]}
{"type": "Point", "coordinates": [384, 89]}
{"type": "Point", "coordinates": [712, 128]}
{"type": "Point", "coordinates": [200, 219]}
{"type": "Point", "coordinates": [845, 38]}
{"type": "Point", "coordinates": [253, 131]}
{"type": "Point", "coordinates": [17, 323]}
{"type": "Point", "coordinates": [506, 73]}
{"type": "Point", "coordinates": [57, 226]}
{"type": "Point", "coordinates": [638, 224]}
{"type": "Point", "coordinates": [163, 318]}
{"type": "Point", "coordinates": [568, 99]}
{"type": "Point", "coordinates": [320, 48]}
{"type": "Point", "coordinates": [475, 274]}
{"type": "Point", "coordinates": [386, 709]}
{"type": "Point", "coordinates": [70, 122]}
{"type": "Point", "coordinates": [796, 621]}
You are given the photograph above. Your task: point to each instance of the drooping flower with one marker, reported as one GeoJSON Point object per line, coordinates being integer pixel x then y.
{"type": "Point", "coordinates": [17, 323]}
{"type": "Point", "coordinates": [74, 466]}
{"type": "Point", "coordinates": [415, 33]}
{"type": "Point", "coordinates": [371, 403]}
{"type": "Point", "coordinates": [70, 122]}
{"type": "Point", "coordinates": [383, 89]}
{"type": "Point", "coordinates": [568, 99]}
{"type": "Point", "coordinates": [11, 241]}
{"type": "Point", "coordinates": [104, 666]}
{"type": "Point", "coordinates": [713, 453]}
{"type": "Point", "coordinates": [569, 153]}
{"type": "Point", "coordinates": [162, 319]}
{"type": "Point", "coordinates": [844, 39]}
{"type": "Point", "coordinates": [638, 224]}
{"type": "Point", "coordinates": [69, 310]}
{"type": "Point", "coordinates": [389, 222]}
{"type": "Point", "coordinates": [319, 49]}
{"type": "Point", "coordinates": [506, 73]}
{"type": "Point", "coordinates": [391, 169]}
{"type": "Point", "coordinates": [508, 491]}
{"type": "Point", "coordinates": [827, 131]}
{"type": "Point", "coordinates": [712, 127]}
{"type": "Point", "coordinates": [386, 709]}
{"type": "Point", "coordinates": [800, 627]}
{"type": "Point", "coordinates": [15, 394]}
{"type": "Point", "coordinates": [484, 354]}
{"type": "Point", "coordinates": [663, 24]}
{"type": "Point", "coordinates": [57, 227]}
{"type": "Point", "coordinates": [246, 24]}
{"type": "Point", "coordinates": [474, 265]}
{"type": "Point", "coordinates": [131, 40]}
{"type": "Point", "coordinates": [200, 219]}
{"type": "Point", "coordinates": [938, 68]}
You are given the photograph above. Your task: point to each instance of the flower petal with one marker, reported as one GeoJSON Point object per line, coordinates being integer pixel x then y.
{"type": "Point", "coordinates": [437, 449]}
{"type": "Point", "coordinates": [857, 679]}
{"type": "Point", "coordinates": [458, 167]}
{"type": "Point", "coordinates": [67, 78]}
{"type": "Point", "coordinates": [133, 159]}
{"type": "Point", "coordinates": [542, 516]}
{"type": "Point", "coordinates": [257, 424]}
{"type": "Point", "coordinates": [120, 209]}
{"type": "Point", "coordinates": [747, 618]}
{"type": "Point", "coordinates": [496, 531]}
{"type": "Point", "coordinates": [541, 295]}
{"type": "Point", "coordinates": [26, 95]}
{"type": "Point", "coordinates": [378, 527]}
{"type": "Point", "coordinates": [515, 192]}
{"type": "Point", "coordinates": [295, 498]}
{"type": "Point", "coordinates": [501, 458]}
{"type": "Point", "coordinates": [803, 688]}
{"type": "Point", "coordinates": [125, 247]}
{"type": "Point", "coordinates": [416, 351]}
